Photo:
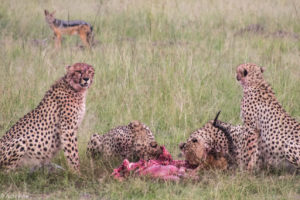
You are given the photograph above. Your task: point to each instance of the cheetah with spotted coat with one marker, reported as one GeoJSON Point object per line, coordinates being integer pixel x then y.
{"type": "Point", "coordinates": [36, 138]}
{"type": "Point", "coordinates": [280, 133]}
{"type": "Point", "coordinates": [220, 142]}
{"type": "Point", "coordinates": [134, 141]}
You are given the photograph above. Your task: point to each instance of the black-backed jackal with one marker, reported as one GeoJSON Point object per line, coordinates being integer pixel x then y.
{"type": "Point", "coordinates": [61, 27]}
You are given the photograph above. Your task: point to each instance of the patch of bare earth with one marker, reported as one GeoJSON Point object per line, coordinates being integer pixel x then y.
{"type": "Point", "coordinates": [258, 29]}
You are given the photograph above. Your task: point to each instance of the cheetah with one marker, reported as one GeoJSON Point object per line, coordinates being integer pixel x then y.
{"type": "Point", "coordinates": [37, 137]}
{"type": "Point", "coordinates": [279, 132]}
{"type": "Point", "coordinates": [219, 143]}
{"type": "Point", "coordinates": [134, 141]}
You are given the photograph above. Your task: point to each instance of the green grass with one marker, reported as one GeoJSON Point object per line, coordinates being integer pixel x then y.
{"type": "Point", "coordinates": [170, 64]}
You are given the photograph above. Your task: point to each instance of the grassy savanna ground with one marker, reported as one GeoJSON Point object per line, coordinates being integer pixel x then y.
{"type": "Point", "coordinates": [170, 64]}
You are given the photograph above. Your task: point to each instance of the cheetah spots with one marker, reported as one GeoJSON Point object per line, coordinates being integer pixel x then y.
{"type": "Point", "coordinates": [133, 140]}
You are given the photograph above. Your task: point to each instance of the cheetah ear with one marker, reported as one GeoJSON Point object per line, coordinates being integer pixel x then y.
{"type": "Point", "coordinates": [46, 12]}
{"type": "Point", "coordinates": [135, 126]}
{"type": "Point", "coordinates": [262, 69]}
{"type": "Point", "coordinates": [53, 13]}
{"type": "Point", "coordinates": [68, 67]}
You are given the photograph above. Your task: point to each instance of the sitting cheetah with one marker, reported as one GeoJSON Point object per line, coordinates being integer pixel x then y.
{"type": "Point", "coordinates": [218, 143]}
{"type": "Point", "coordinates": [280, 133]}
{"type": "Point", "coordinates": [39, 135]}
{"type": "Point", "coordinates": [134, 141]}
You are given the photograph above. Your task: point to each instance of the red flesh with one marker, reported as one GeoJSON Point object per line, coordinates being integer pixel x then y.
{"type": "Point", "coordinates": [163, 168]}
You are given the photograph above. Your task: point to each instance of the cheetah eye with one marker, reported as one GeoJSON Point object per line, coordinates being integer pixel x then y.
{"type": "Point", "coordinates": [245, 72]}
{"type": "Point", "coordinates": [153, 144]}
{"type": "Point", "coordinates": [194, 140]}
{"type": "Point", "coordinates": [76, 73]}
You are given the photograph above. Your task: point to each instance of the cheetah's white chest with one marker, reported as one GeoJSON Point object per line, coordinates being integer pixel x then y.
{"type": "Point", "coordinates": [81, 111]}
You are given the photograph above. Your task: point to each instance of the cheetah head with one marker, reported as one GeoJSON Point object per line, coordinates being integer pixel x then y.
{"type": "Point", "coordinates": [202, 144]}
{"type": "Point", "coordinates": [196, 148]}
{"type": "Point", "coordinates": [249, 75]}
{"type": "Point", "coordinates": [49, 16]}
{"type": "Point", "coordinates": [145, 146]}
{"type": "Point", "coordinates": [80, 76]}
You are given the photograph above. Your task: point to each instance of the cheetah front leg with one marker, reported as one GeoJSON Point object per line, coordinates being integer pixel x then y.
{"type": "Point", "coordinates": [70, 148]}
{"type": "Point", "coordinates": [69, 142]}
{"type": "Point", "coordinates": [12, 152]}
{"type": "Point", "coordinates": [250, 151]}
{"type": "Point", "coordinates": [292, 152]}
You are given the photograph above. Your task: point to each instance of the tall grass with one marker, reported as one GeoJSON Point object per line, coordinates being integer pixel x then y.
{"type": "Point", "coordinates": [170, 64]}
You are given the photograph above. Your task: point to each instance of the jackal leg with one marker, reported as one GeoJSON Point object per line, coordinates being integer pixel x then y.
{"type": "Point", "coordinates": [83, 37]}
{"type": "Point", "coordinates": [90, 38]}
{"type": "Point", "coordinates": [83, 34]}
{"type": "Point", "coordinates": [57, 40]}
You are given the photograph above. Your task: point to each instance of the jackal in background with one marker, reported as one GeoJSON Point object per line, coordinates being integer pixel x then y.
{"type": "Point", "coordinates": [60, 27]}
